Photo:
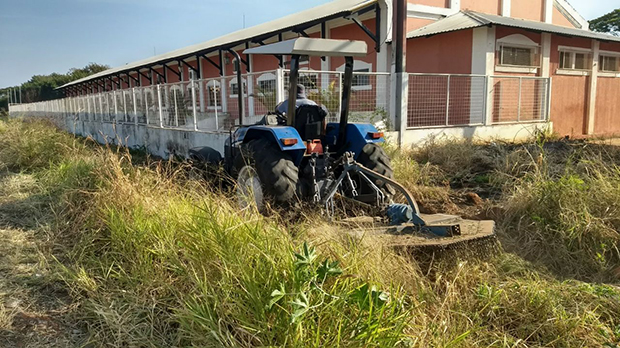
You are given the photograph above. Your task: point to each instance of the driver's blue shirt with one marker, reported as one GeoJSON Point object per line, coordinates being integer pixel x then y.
{"type": "Point", "coordinates": [301, 100]}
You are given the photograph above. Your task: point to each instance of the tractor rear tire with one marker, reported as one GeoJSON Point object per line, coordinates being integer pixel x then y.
{"type": "Point", "coordinates": [276, 171]}
{"type": "Point", "coordinates": [374, 158]}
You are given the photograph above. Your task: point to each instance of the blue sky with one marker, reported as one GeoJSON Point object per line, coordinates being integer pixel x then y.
{"type": "Point", "coordinates": [45, 36]}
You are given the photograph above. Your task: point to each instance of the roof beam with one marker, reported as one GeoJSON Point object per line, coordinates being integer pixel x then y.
{"type": "Point", "coordinates": [376, 36]}
{"type": "Point", "coordinates": [149, 78]}
{"type": "Point", "coordinates": [123, 80]}
{"type": "Point", "coordinates": [135, 79]}
{"type": "Point", "coordinates": [174, 72]}
{"type": "Point", "coordinates": [301, 32]}
{"type": "Point", "coordinates": [163, 77]}
{"type": "Point", "coordinates": [217, 66]}
{"type": "Point", "coordinates": [189, 66]}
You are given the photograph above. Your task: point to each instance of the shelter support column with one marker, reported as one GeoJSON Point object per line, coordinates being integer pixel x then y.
{"type": "Point", "coordinates": [483, 63]}
{"type": "Point", "coordinates": [593, 87]}
{"type": "Point", "coordinates": [201, 85]}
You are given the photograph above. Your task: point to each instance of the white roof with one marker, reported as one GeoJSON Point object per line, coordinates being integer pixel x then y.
{"type": "Point", "coordinates": [334, 8]}
{"type": "Point", "coordinates": [471, 19]}
{"type": "Point", "coordinates": [313, 47]}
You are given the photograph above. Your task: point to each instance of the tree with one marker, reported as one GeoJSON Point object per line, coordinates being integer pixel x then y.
{"type": "Point", "coordinates": [609, 23]}
{"type": "Point", "coordinates": [43, 87]}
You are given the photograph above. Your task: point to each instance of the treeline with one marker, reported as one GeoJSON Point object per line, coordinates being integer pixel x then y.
{"type": "Point", "coordinates": [43, 87]}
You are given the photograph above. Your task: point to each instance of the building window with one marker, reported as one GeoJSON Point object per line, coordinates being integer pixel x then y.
{"type": "Point", "coordinates": [575, 60]}
{"type": "Point", "coordinates": [518, 52]}
{"type": "Point", "coordinates": [266, 83]}
{"type": "Point", "coordinates": [518, 56]}
{"type": "Point", "coordinates": [234, 88]}
{"type": "Point", "coordinates": [361, 78]}
{"type": "Point", "coordinates": [214, 96]}
{"type": "Point", "coordinates": [608, 63]}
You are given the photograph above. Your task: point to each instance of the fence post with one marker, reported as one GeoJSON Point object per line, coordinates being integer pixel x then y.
{"type": "Point", "coordinates": [215, 90]}
{"type": "Point", "coordinates": [161, 115]}
{"type": "Point", "coordinates": [279, 85]}
{"type": "Point", "coordinates": [250, 94]}
{"type": "Point", "coordinates": [519, 100]}
{"type": "Point", "coordinates": [125, 113]}
{"type": "Point", "coordinates": [193, 82]}
{"type": "Point", "coordinates": [201, 90]}
{"type": "Point", "coordinates": [548, 113]}
{"type": "Point", "coordinates": [448, 101]}
{"type": "Point", "coordinates": [135, 106]}
{"type": "Point", "coordinates": [88, 108]}
{"type": "Point", "coordinates": [399, 96]}
{"type": "Point", "coordinates": [100, 108]}
{"type": "Point", "coordinates": [146, 103]}
{"type": "Point", "coordinates": [340, 75]}
{"type": "Point", "coordinates": [488, 119]}
{"type": "Point", "coordinates": [176, 108]}
{"type": "Point", "coordinates": [115, 106]}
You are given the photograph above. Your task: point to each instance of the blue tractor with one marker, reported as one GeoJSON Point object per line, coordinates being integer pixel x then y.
{"type": "Point", "coordinates": [298, 155]}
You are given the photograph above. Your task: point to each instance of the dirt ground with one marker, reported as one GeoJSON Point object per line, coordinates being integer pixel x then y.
{"type": "Point", "coordinates": [34, 303]}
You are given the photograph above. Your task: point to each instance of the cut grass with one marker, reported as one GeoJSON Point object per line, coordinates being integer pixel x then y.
{"type": "Point", "coordinates": [156, 258]}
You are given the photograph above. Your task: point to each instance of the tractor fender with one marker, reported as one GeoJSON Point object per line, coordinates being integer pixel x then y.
{"type": "Point", "coordinates": [205, 154]}
{"type": "Point", "coordinates": [275, 134]}
{"type": "Point", "coordinates": [358, 135]}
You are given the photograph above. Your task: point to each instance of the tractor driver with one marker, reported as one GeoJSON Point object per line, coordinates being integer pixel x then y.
{"type": "Point", "coordinates": [302, 99]}
{"type": "Point", "coordinates": [312, 116]}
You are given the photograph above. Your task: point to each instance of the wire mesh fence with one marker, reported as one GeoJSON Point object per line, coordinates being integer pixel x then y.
{"type": "Point", "coordinates": [211, 104]}
{"type": "Point", "coordinates": [369, 100]}
{"type": "Point", "coordinates": [445, 100]}
{"type": "Point", "coordinates": [519, 99]}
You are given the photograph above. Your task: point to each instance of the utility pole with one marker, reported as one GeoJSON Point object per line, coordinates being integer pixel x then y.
{"type": "Point", "coordinates": [400, 47]}
{"type": "Point", "coordinates": [20, 94]}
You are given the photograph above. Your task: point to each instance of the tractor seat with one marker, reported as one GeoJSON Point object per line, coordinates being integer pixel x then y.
{"type": "Point", "coordinates": [309, 120]}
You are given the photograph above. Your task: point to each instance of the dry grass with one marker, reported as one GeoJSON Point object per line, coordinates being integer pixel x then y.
{"type": "Point", "coordinates": [156, 258]}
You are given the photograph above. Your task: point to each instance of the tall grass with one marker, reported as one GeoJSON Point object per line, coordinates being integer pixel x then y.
{"type": "Point", "coordinates": [155, 258]}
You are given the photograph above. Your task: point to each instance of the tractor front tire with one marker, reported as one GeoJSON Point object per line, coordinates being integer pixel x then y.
{"type": "Point", "coordinates": [277, 174]}
{"type": "Point", "coordinates": [374, 158]}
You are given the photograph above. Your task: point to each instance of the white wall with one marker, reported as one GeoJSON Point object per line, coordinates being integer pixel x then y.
{"type": "Point", "coordinates": [506, 132]}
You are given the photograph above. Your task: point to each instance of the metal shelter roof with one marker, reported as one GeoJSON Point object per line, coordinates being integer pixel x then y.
{"type": "Point", "coordinates": [313, 47]}
{"type": "Point", "coordinates": [470, 19]}
{"type": "Point", "coordinates": [300, 20]}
